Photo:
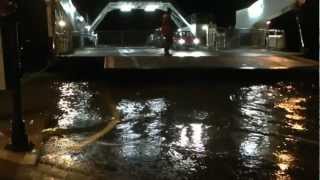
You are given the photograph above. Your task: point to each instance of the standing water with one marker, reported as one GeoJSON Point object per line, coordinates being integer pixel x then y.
{"type": "Point", "coordinates": [212, 130]}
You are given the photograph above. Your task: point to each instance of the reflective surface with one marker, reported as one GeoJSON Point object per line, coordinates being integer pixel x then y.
{"type": "Point", "coordinates": [212, 130]}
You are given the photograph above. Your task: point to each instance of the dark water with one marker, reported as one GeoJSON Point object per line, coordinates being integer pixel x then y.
{"type": "Point", "coordinates": [208, 130]}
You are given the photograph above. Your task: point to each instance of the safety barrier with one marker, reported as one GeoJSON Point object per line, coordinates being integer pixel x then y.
{"type": "Point", "coordinates": [227, 38]}
{"type": "Point", "coordinates": [218, 39]}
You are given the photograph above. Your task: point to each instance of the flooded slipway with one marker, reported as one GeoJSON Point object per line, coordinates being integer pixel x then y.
{"type": "Point", "coordinates": [190, 130]}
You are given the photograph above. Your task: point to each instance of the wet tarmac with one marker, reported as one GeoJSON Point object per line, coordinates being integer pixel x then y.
{"type": "Point", "coordinates": [177, 130]}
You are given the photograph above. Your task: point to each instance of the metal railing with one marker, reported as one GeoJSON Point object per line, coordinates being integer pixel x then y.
{"type": "Point", "coordinates": [68, 42]}
{"type": "Point", "coordinates": [217, 39]}
{"type": "Point", "coordinates": [224, 38]}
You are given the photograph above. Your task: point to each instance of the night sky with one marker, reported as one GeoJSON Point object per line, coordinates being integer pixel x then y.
{"type": "Point", "coordinates": [222, 10]}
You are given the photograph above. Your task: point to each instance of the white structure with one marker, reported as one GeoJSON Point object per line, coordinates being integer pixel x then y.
{"type": "Point", "coordinates": [67, 15]}
{"type": "Point", "coordinates": [127, 6]}
{"type": "Point", "coordinates": [262, 11]}
{"type": "Point", "coordinates": [69, 26]}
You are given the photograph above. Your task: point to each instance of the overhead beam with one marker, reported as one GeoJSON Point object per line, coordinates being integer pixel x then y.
{"type": "Point", "coordinates": [176, 16]}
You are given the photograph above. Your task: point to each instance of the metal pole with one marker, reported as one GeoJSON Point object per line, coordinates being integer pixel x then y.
{"type": "Point", "coordinates": [19, 138]}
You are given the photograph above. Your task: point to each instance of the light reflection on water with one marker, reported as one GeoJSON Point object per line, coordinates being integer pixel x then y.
{"type": "Point", "coordinates": [254, 145]}
{"type": "Point", "coordinates": [131, 130]}
{"type": "Point", "coordinates": [295, 109]}
{"type": "Point", "coordinates": [75, 106]}
{"type": "Point", "coordinates": [254, 108]}
{"type": "Point", "coordinates": [192, 137]}
{"type": "Point", "coordinates": [257, 106]}
{"type": "Point", "coordinates": [151, 132]}
{"type": "Point", "coordinates": [291, 105]}
{"type": "Point", "coordinates": [257, 112]}
{"type": "Point", "coordinates": [284, 162]}
{"type": "Point", "coordinates": [150, 140]}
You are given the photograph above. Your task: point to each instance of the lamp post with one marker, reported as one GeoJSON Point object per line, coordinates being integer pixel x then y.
{"type": "Point", "coordinates": [11, 56]}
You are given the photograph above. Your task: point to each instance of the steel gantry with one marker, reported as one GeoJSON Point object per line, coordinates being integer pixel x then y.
{"type": "Point", "coordinates": [148, 6]}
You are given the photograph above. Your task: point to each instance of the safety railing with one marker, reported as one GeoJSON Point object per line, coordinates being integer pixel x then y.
{"type": "Point", "coordinates": [228, 38]}
{"type": "Point", "coordinates": [218, 39]}
{"type": "Point", "coordinates": [68, 42]}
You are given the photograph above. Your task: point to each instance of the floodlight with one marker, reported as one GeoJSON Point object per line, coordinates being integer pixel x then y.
{"type": "Point", "coordinates": [126, 7]}
{"type": "Point", "coordinates": [205, 27]}
{"type": "Point", "coordinates": [80, 18]}
{"type": "Point", "coordinates": [87, 27]}
{"type": "Point", "coordinates": [151, 7]}
{"type": "Point", "coordinates": [256, 9]}
{"type": "Point", "coordinates": [62, 23]}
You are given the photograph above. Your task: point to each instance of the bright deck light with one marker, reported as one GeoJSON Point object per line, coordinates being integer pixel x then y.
{"type": "Point", "coordinates": [87, 27]}
{"type": "Point", "coordinates": [205, 27]}
{"type": "Point", "coordinates": [256, 9]}
{"type": "Point", "coordinates": [126, 7]}
{"type": "Point", "coordinates": [62, 23]}
{"type": "Point", "coordinates": [80, 18]}
{"type": "Point", "coordinates": [151, 8]}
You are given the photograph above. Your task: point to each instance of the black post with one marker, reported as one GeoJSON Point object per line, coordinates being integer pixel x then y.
{"type": "Point", "coordinates": [19, 138]}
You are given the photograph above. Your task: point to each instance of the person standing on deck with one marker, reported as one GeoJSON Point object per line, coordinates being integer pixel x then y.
{"type": "Point", "coordinates": [167, 31]}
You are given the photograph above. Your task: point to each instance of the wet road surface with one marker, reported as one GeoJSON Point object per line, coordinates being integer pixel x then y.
{"type": "Point", "coordinates": [148, 58]}
{"type": "Point", "coordinates": [187, 130]}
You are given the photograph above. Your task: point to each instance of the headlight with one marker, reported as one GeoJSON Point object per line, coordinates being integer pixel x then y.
{"type": "Point", "coordinates": [196, 41]}
{"type": "Point", "coordinates": [181, 41]}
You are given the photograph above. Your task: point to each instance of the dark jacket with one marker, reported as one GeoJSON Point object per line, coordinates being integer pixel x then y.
{"type": "Point", "coordinates": [166, 26]}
